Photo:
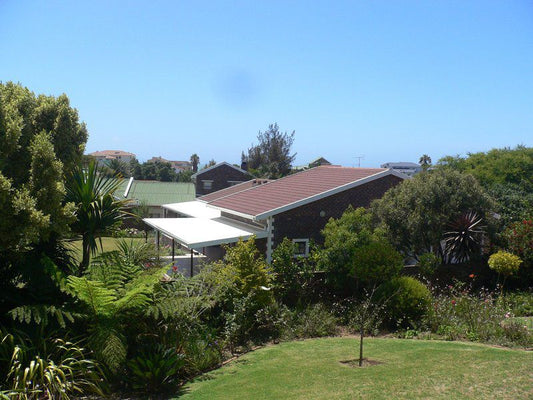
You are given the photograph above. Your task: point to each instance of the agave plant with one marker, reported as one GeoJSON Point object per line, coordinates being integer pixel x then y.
{"type": "Point", "coordinates": [464, 237]}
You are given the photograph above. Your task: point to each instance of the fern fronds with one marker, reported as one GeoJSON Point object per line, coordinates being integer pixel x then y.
{"type": "Point", "coordinates": [40, 314]}
{"type": "Point", "coordinates": [94, 294]}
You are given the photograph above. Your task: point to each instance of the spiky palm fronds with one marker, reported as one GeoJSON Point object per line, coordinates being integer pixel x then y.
{"type": "Point", "coordinates": [464, 237]}
{"type": "Point", "coordinates": [97, 209]}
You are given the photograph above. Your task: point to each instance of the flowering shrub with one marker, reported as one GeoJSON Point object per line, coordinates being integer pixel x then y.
{"type": "Point", "coordinates": [481, 316]}
{"type": "Point", "coordinates": [519, 237]}
{"type": "Point", "coordinates": [504, 263]}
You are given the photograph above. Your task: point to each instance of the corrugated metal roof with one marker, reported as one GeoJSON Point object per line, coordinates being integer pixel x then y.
{"type": "Point", "coordinates": [155, 193]}
{"type": "Point", "coordinates": [294, 189]}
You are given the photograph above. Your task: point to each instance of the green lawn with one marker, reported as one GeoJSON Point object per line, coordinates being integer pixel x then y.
{"type": "Point", "coordinates": [410, 369]}
{"type": "Point", "coordinates": [108, 244]}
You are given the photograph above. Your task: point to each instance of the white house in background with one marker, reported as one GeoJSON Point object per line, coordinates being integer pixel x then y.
{"type": "Point", "coordinates": [178, 166]}
{"type": "Point", "coordinates": [105, 156]}
{"type": "Point", "coordinates": [406, 168]}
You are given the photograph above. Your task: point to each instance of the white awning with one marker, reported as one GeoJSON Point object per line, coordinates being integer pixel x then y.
{"type": "Point", "coordinates": [196, 233]}
{"type": "Point", "coordinates": [195, 209]}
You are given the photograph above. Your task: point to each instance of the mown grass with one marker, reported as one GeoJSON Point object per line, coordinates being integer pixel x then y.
{"type": "Point", "coordinates": [409, 369]}
{"type": "Point", "coordinates": [108, 244]}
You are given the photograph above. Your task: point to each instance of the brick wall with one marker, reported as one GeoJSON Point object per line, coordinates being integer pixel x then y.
{"type": "Point", "coordinates": [305, 222]}
{"type": "Point", "coordinates": [221, 177]}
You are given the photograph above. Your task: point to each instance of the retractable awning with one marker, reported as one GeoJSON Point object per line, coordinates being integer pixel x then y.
{"type": "Point", "coordinates": [195, 209]}
{"type": "Point", "coordinates": [195, 233]}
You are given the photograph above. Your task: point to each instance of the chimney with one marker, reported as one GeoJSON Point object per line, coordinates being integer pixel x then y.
{"type": "Point", "coordinates": [244, 165]}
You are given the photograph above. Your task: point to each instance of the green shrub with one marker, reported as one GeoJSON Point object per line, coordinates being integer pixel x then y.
{"type": "Point", "coordinates": [376, 262]}
{"type": "Point", "coordinates": [427, 264]}
{"type": "Point", "coordinates": [519, 303]}
{"type": "Point", "coordinates": [504, 263]}
{"type": "Point", "coordinates": [155, 370]}
{"type": "Point", "coordinates": [202, 353]}
{"type": "Point", "coordinates": [406, 300]}
{"type": "Point", "coordinates": [314, 321]}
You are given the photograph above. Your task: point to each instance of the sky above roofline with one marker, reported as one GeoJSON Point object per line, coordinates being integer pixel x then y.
{"type": "Point", "coordinates": [386, 81]}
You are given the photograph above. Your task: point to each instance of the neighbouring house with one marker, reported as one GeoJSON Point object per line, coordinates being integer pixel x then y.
{"type": "Point", "coordinates": [178, 166]}
{"type": "Point", "coordinates": [296, 206]}
{"type": "Point", "coordinates": [315, 163]}
{"type": "Point", "coordinates": [218, 177]}
{"type": "Point", "coordinates": [105, 156]}
{"type": "Point", "coordinates": [406, 168]}
{"type": "Point", "coordinates": [154, 194]}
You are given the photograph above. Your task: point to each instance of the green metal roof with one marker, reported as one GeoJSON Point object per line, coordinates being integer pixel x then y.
{"type": "Point", "coordinates": [155, 193]}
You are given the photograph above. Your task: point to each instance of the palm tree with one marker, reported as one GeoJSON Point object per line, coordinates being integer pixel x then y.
{"type": "Point", "coordinates": [97, 209]}
{"type": "Point", "coordinates": [195, 160]}
{"type": "Point", "coordinates": [425, 161]}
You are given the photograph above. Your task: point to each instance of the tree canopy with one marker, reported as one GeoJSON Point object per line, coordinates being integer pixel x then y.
{"type": "Point", "coordinates": [271, 157]}
{"type": "Point", "coordinates": [418, 212]}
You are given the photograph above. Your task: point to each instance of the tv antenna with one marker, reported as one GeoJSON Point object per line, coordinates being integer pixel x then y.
{"type": "Point", "coordinates": [359, 160]}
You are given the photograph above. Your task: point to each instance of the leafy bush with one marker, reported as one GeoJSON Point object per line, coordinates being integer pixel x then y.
{"type": "Point", "coordinates": [480, 316]}
{"type": "Point", "coordinates": [155, 370]}
{"type": "Point", "coordinates": [427, 264]}
{"type": "Point", "coordinates": [202, 353]}
{"type": "Point", "coordinates": [60, 371]}
{"type": "Point", "coordinates": [314, 321]}
{"type": "Point", "coordinates": [519, 303]}
{"type": "Point", "coordinates": [408, 300]}
{"type": "Point", "coordinates": [376, 262]}
{"type": "Point", "coordinates": [504, 263]}
{"type": "Point", "coordinates": [292, 274]}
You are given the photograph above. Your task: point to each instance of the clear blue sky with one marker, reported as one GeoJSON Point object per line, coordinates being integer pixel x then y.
{"type": "Point", "coordinates": [387, 80]}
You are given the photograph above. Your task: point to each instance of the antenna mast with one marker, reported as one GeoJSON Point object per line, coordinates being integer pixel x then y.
{"type": "Point", "coordinates": [359, 160]}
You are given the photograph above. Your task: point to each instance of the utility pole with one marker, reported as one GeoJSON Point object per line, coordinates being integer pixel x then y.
{"type": "Point", "coordinates": [359, 160]}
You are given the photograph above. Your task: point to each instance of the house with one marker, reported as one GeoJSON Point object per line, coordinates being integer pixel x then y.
{"type": "Point", "coordinates": [154, 194]}
{"type": "Point", "coordinates": [406, 168]}
{"type": "Point", "coordinates": [297, 207]}
{"type": "Point", "coordinates": [178, 166]}
{"type": "Point", "coordinates": [315, 163]}
{"type": "Point", "coordinates": [105, 156]}
{"type": "Point", "coordinates": [219, 176]}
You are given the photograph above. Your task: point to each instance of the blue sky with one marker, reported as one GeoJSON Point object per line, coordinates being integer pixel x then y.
{"type": "Point", "coordinates": [387, 80]}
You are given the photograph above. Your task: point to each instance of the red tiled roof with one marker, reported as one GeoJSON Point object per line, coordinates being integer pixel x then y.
{"type": "Point", "coordinates": [110, 153]}
{"type": "Point", "coordinates": [300, 187]}
{"type": "Point", "coordinates": [233, 189]}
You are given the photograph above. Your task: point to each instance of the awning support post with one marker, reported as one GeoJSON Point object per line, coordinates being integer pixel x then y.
{"type": "Point", "coordinates": [157, 235]}
{"type": "Point", "coordinates": [173, 252]}
{"type": "Point", "coordinates": [192, 262]}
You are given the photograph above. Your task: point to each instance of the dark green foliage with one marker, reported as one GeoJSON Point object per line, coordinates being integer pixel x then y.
{"type": "Point", "coordinates": [375, 262]}
{"type": "Point", "coordinates": [427, 264]}
{"type": "Point", "coordinates": [342, 238]}
{"type": "Point", "coordinates": [314, 321]}
{"type": "Point", "coordinates": [150, 170]}
{"type": "Point", "coordinates": [155, 369]}
{"type": "Point", "coordinates": [417, 212]}
{"type": "Point", "coordinates": [292, 275]}
{"type": "Point", "coordinates": [409, 300]}
{"type": "Point", "coordinates": [271, 157]}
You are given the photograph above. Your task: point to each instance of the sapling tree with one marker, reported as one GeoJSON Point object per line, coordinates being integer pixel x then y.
{"type": "Point", "coordinates": [505, 264]}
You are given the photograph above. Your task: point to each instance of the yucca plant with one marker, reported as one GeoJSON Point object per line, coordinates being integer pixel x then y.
{"type": "Point", "coordinates": [463, 239]}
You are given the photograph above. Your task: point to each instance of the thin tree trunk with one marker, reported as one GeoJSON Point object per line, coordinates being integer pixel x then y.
{"type": "Point", "coordinates": [86, 254]}
{"type": "Point", "coordinates": [362, 334]}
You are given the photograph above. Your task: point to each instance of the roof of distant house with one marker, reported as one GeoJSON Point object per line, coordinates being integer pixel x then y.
{"type": "Point", "coordinates": [296, 190]}
{"type": "Point", "coordinates": [155, 193]}
{"type": "Point", "coordinates": [106, 153]}
{"type": "Point", "coordinates": [400, 164]}
{"type": "Point", "coordinates": [233, 189]}
{"type": "Point", "coordinates": [219, 165]}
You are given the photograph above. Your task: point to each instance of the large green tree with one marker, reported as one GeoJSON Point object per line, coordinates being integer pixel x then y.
{"type": "Point", "coordinates": [40, 138]}
{"type": "Point", "coordinates": [506, 174]}
{"type": "Point", "coordinates": [271, 157]}
{"type": "Point", "coordinates": [417, 213]}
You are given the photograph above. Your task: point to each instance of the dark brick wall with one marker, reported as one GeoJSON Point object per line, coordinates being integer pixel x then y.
{"type": "Point", "coordinates": [220, 176]}
{"type": "Point", "coordinates": [305, 222]}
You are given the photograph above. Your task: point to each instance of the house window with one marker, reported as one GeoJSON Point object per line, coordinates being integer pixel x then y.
{"type": "Point", "coordinates": [301, 247]}
{"type": "Point", "coordinates": [207, 185]}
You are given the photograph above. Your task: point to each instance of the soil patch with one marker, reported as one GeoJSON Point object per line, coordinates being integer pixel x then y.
{"type": "Point", "coordinates": [355, 363]}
